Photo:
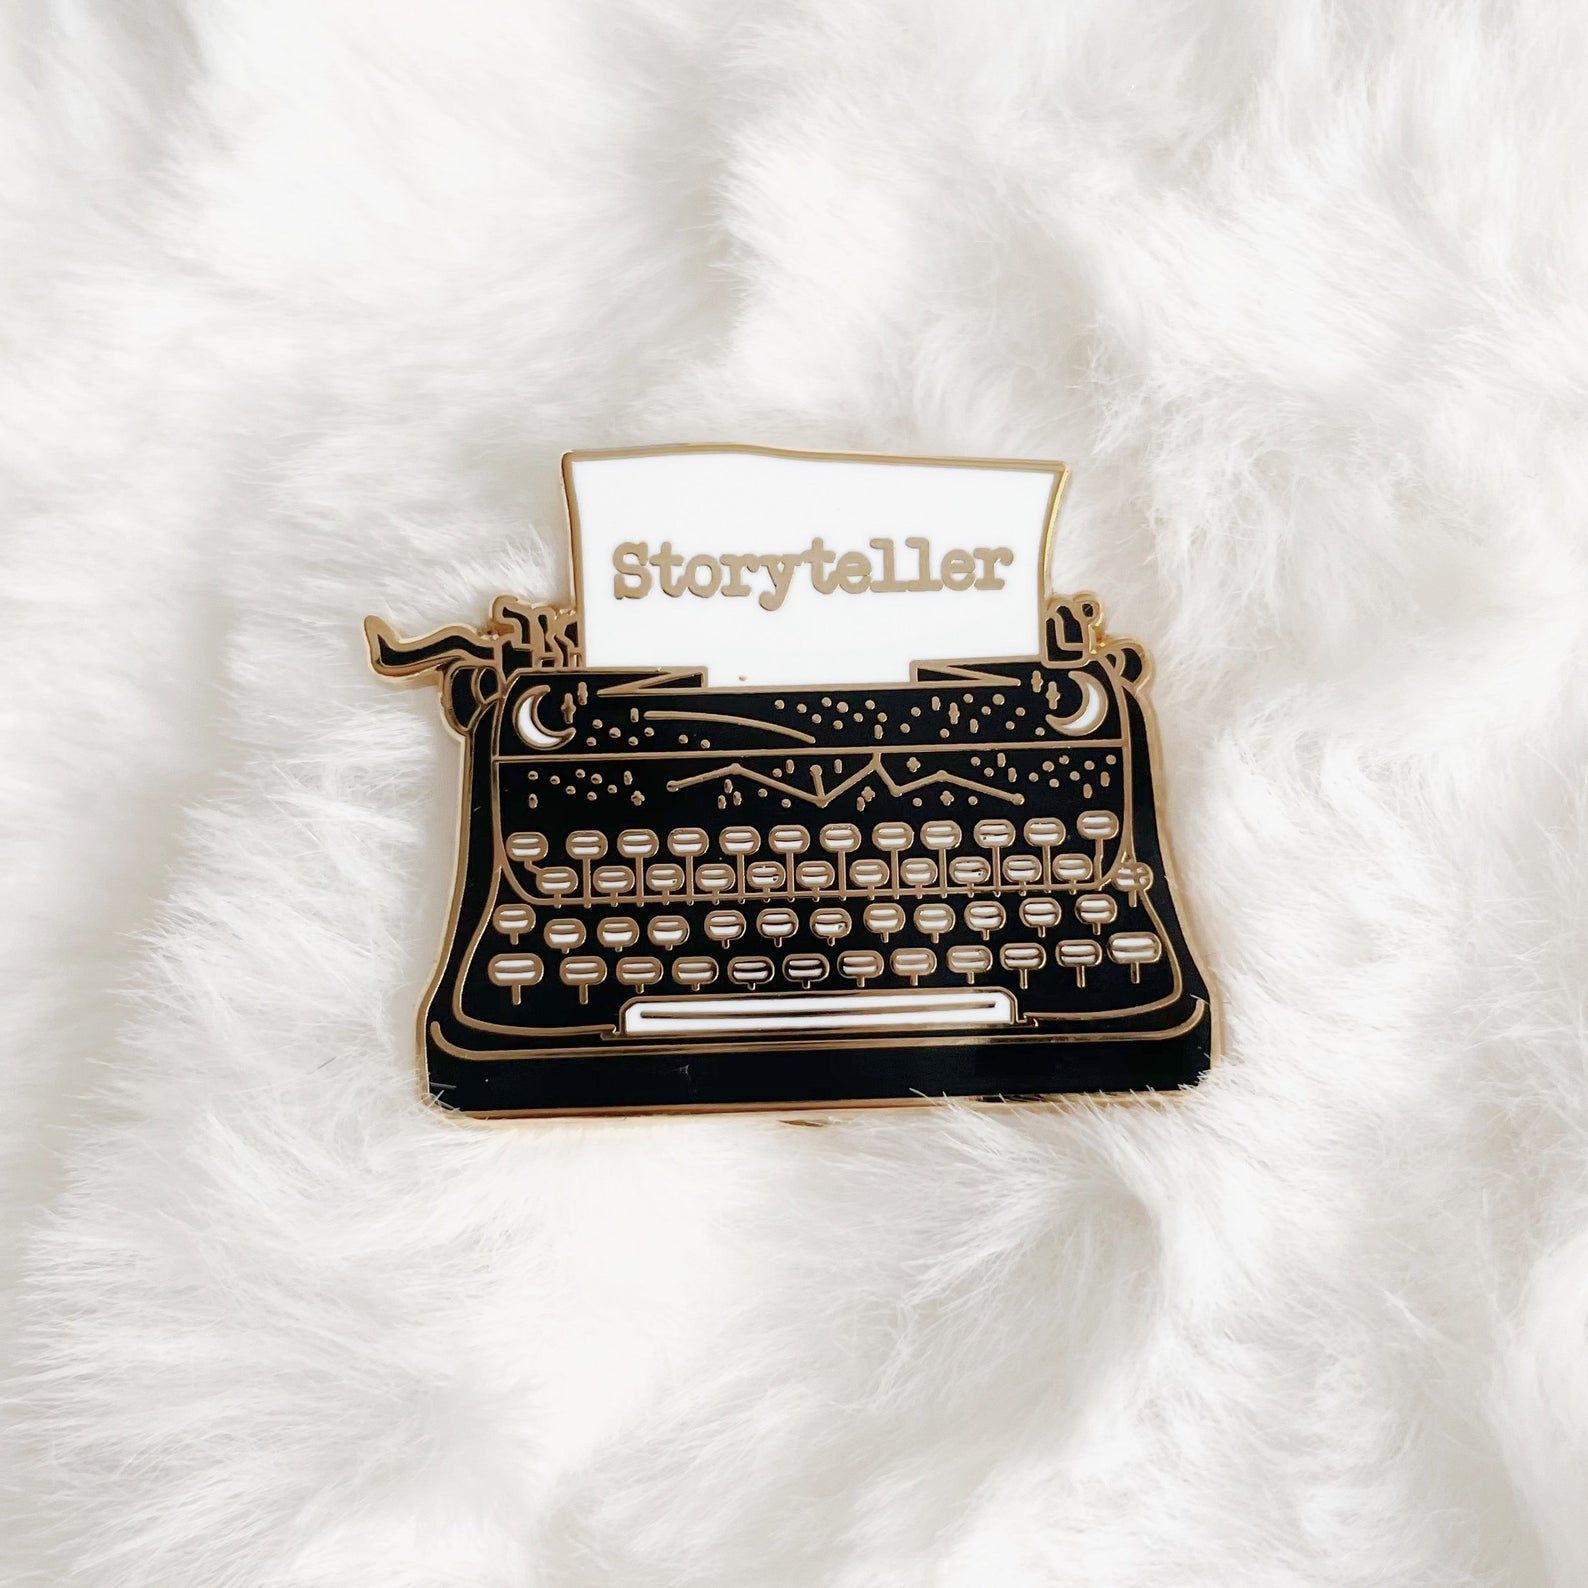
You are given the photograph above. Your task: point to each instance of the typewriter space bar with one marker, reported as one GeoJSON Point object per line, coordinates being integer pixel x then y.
{"type": "Point", "coordinates": [898, 1009]}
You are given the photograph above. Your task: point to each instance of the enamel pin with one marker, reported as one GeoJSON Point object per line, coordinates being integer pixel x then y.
{"type": "Point", "coordinates": [815, 796]}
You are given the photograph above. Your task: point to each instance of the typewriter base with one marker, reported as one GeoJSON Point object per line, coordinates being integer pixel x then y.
{"type": "Point", "coordinates": [821, 1075]}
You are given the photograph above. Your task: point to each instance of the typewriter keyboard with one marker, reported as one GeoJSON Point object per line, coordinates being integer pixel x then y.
{"type": "Point", "coordinates": [838, 926]}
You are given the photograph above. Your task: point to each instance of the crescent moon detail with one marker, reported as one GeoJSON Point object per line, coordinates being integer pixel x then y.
{"type": "Point", "coordinates": [528, 723]}
{"type": "Point", "coordinates": [1091, 712]}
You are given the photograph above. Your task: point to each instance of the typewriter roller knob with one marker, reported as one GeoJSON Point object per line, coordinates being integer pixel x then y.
{"type": "Point", "coordinates": [860, 965]}
{"type": "Point", "coordinates": [1096, 910]}
{"type": "Point", "coordinates": [667, 931]}
{"type": "Point", "coordinates": [1078, 954]}
{"type": "Point", "coordinates": [583, 971]}
{"type": "Point", "coordinates": [789, 839]}
{"type": "Point", "coordinates": [969, 960]}
{"type": "Point", "coordinates": [984, 915]}
{"type": "Point", "coordinates": [883, 919]}
{"type": "Point", "coordinates": [564, 933]}
{"type": "Point", "coordinates": [618, 932]}
{"type": "Point", "coordinates": [1135, 949]}
{"type": "Point", "coordinates": [934, 920]}
{"type": "Point", "coordinates": [830, 924]}
{"type": "Point", "coordinates": [777, 924]}
{"type": "Point", "coordinates": [1022, 958]}
{"type": "Point", "coordinates": [516, 971]}
{"type": "Point", "coordinates": [531, 848]}
{"type": "Point", "coordinates": [1040, 912]}
{"type": "Point", "coordinates": [512, 920]}
{"type": "Point", "coordinates": [724, 926]}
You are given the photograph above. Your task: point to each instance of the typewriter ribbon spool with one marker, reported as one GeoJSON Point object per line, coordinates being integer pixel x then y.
{"type": "Point", "coordinates": [675, 894]}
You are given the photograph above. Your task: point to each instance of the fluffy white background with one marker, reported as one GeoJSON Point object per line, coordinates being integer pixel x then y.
{"type": "Point", "coordinates": [301, 303]}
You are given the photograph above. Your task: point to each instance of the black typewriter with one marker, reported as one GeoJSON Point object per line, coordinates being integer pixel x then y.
{"type": "Point", "coordinates": [677, 897]}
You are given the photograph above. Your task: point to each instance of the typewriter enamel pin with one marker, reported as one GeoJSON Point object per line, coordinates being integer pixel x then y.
{"type": "Point", "coordinates": [698, 871]}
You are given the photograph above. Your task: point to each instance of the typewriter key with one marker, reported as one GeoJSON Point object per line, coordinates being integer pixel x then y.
{"type": "Point", "coordinates": [557, 880]}
{"type": "Point", "coordinates": [934, 920]}
{"type": "Point", "coordinates": [1043, 832]}
{"type": "Point", "coordinates": [664, 877]}
{"type": "Point", "coordinates": [994, 834]}
{"type": "Point", "coordinates": [515, 971]}
{"type": "Point", "coordinates": [914, 963]}
{"type": "Point", "coordinates": [529, 847]}
{"type": "Point", "coordinates": [667, 931]}
{"type": "Point", "coordinates": [1078, 954]}
{"type": "Point", "coordinates": [777, 924]}
{"type": "Point", "coordinates": [969, 871]}
{"type": "Point", "coordinates": [637, 843]}
{"type": "Point", "coordinates": [587, 845]}
{"type": "Point", "coordinates": [1040, 912]}
{"type": "Point", "coordinates": [970, 960]}
{"type": "Point", "coordinates": [564, 933]}
{"type": "Point", "coordinates": [869, 873]}
{"type": "Point", "coordinates": [1097, 825]}
{"type": "Point", "coordinates": [789, 840]}
{"type": "Point", "coordinates": [984, 916]}
{"type": "Point", "coordinates": [839, 838]}
{"type": "Point", "coordinates": [831, 924]}
{"type": "Point", "coordinates": [888, 836]}
{"type": "Point", "coordinates": [750, 970]}
{"type": "Point", "coordinates": [641, 971]}
{"type": "Point", "coordinates": [1022, 958]}
{"type": "Point", "coordinates": [694, 971]}
{"type": "Point", "coordinates": [688, 843]}
{"type": "Point", "coordinates": [1134, 876]}
{"type": "Point", "coordinates": [940, 835]}
{"type": "Point", "coordinates": [1134, 949]}
{"type": "Point", "coordinates": [805, 968]}
{"type": "Point", "coordinates": [724, 926]}
{"type": "Point", "coordinates": [884, 919]}
{"type": "Point", "coordinates": [814, 875]}
{"type": "Point", "coordinates": [618, 932]}
{"type": "Point", "coordinates": [613, 880]}
{"type": "Point", "coordinates": [715, 877]}
{"type": "Point", "coordinates": [918, 872]}
{"type": "Point", "coordinates": [513, 919]}
{"type": "Point", "coordinates": [739, 841]}
{"type": "Point", "coordinates": [860, 964]}
{"type": "Point", "coordinates": [1022, 870]}
{"type": "Point", "coordinates": [765, 875]}
{"type": "Point", "coordinates": [1073, 869]}
{"type": "Point", "coordinates": [583, 971]}
{"type": "Point", "coordinates": [1096, 910]}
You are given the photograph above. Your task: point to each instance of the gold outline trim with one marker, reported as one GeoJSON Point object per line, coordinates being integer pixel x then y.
{"type": "Point", "coordinates": [375, 628]}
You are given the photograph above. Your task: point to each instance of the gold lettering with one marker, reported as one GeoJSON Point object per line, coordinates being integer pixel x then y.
{"type": "Point", "coordinates": [628, 561]}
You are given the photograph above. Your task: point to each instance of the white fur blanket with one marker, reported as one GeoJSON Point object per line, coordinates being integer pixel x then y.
{"type": "Point", "coordinates": [303, 300]}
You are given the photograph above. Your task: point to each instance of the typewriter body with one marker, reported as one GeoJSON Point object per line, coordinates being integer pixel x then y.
{"type": "Point", "coordinates": [673, 896]}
